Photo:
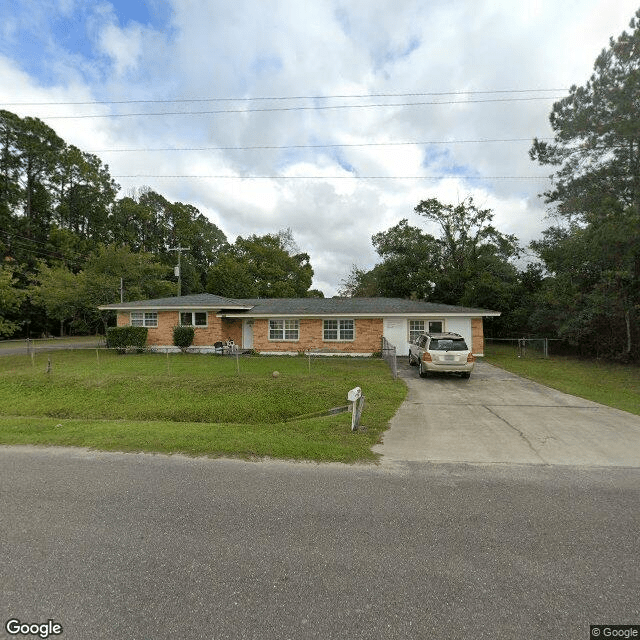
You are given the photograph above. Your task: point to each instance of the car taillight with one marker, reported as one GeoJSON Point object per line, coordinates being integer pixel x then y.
{"type": "Point", "coordinates": [471, 357]}
{"type": "Point", "coordinates": [426, 357]}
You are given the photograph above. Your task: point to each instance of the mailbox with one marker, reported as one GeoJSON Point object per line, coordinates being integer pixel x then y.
{"type": "Point", "coordinates": [354, 394]}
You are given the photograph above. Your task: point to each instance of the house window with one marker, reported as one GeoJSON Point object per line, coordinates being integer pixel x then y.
{"type": "Point", "coordinates": [144, 319]}
{"type": "Point", "coordinates": [338, 330]}
{"type": "Point", "coordinates": [416, 327]}
{"type": "Point", "coordinates": [194, 318]}
{"type": "Point", "coordinates": [284, 329]}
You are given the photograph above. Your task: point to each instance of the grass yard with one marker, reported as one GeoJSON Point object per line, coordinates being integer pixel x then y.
{"type": "Point", "coordinates": [195, 404]}
{"type": "Point", "coordinates": [615, 385]}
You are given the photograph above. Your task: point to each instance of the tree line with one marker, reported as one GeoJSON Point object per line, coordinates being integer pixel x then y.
{"type": "Point", "coordinates": [584, 283]}
{"type": "Point", "coordinates": [69, 243]}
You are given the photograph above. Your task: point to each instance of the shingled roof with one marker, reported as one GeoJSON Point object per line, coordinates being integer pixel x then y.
{"type": "Point", "coordinates": [302, 306]}
{"type": "Point", "coordinates": [353, 306]}
{"type": "Point", "coordinates": [198, 300]}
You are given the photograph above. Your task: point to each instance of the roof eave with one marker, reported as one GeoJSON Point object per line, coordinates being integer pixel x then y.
{"type": "Point", "coordinates": [378, 314]}
{"type": "Point", "coordinates": [125, 307]}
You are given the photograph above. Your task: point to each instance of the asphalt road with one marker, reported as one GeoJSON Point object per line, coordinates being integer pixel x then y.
{"type": "Point", "coordinates": [132, 546]}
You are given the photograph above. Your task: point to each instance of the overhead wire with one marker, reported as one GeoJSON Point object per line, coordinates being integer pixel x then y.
{"type": "Point", "coordinates": [316, 146]}
{"type": "Point", "coordinates": [21, 240]}
{"type": "Point", "coordinates": [296, 108]}
{"type": "Point", "coordinates": [324, 177]}
{"type": "Point", "coordinates": [311, 146]}
{"type": "Point", "coordinates": [413, 94]}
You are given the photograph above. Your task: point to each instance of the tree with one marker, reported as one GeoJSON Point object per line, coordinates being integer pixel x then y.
{"type": "Point", "coordinates": [58, 291]}
{"type": "Point", "coordinates": [597, 136]}
{"type": "Point", "coordinates": [149, 222]}
{"type": "Point", "coordinates": [359, 284]}
{"type": "Point", "coordinates": [474, 254]}
{"type": "Point", "coordinates": [467, 264]}
{"type": "Point", "coordinates": [260, 267]}
{"type": "Point", "coordinates": [86, 193]}
{"type": "Point", "coordinates": [10, 299]}
{"type": "Point", "coordinates": [591, 295]}
{"type": "Point", "coordinates": [74, 297]}
{"type": "Point", "coordinates": [9, 167]}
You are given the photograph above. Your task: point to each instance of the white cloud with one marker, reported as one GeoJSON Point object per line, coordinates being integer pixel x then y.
{"type": "Point", "coordinates": [212, 48]}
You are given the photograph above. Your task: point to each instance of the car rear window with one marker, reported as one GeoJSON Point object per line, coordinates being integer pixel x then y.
{"type": "Point", "coordinates": [447, 345]}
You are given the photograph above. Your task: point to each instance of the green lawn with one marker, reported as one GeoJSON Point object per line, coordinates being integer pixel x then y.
{"type": "Point", "coordinates": [195, 404]}
{"type": "Point", "coordinates": [615, 385]}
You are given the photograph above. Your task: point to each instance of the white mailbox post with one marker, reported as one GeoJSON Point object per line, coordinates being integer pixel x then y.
{"type": "Point", "coordinates": [353, 397]}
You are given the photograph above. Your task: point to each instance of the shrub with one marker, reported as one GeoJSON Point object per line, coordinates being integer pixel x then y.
{"type": "Point", "coordinates": [183, 337]}
{"type": "Point", "coordinates": [121, 338]}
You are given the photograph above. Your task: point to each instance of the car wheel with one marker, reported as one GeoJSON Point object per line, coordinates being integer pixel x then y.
{"type": "Point", "coordinates": [423, 372]}
{"type": "Point", "coordinates": [466, 374]}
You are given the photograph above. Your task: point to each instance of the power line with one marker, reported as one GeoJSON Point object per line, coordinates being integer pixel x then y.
{"type": "Point", "coordinates": [20, 244]}
{"type": "Point", "coordinates": [274, 98]}
{"type": "Point", "coordinates": [297, 108]}
{"type": "Point", "coordinates": [317, 146]}
{"type": "Point", "coordinates": [320, 177]}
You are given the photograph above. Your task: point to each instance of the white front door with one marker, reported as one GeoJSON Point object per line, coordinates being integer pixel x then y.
{"type": "Point", "coordinates": [247, 334]}
{"type": "Point", "coordinates": [395, 331]}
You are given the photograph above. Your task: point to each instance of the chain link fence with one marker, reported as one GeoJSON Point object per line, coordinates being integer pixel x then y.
{"type": "Point", "coordinates": [92, 355]}
{"type": "Point", "coordinates": [528, 347]}
{"type": "Point", "coordinates": [390, 357]}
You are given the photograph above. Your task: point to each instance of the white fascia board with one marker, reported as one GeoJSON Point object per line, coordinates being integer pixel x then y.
{"type": "Point", "coordinates": [261, 316]}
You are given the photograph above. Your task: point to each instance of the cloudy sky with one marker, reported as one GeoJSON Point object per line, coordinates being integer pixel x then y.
{"type": "Point", "coordinates": [333, 117]}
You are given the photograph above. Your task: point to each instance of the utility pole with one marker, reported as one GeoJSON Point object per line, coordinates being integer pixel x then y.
{"type": "Point", "coordinates": [178, 271]}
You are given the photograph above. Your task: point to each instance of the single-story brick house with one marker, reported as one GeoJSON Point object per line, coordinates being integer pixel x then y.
{"type": "Point", "coordinates": [352, 326]}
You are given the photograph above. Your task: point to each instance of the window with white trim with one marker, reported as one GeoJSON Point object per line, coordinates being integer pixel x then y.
{"type": "Point", "coordinates": [284, 330]}
{"type": "Point", "coordinates": [194, 318]}
{"type": "Point", "coordinates": [338, 330]}
{"type": "Point", "coordinates": [416, 327]}
{"type": "Point", "coordinates": [144, 318]}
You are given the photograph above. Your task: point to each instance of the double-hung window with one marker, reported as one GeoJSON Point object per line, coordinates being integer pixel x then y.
{"type": "Point", "coordinates": [284, 330]}
{"type": "Point", "coordinates": [144, 319]}
{"type": "Point", "coordinates": [416, 327]}
{"type": "Point", "coordinates": [194, 318]}
{"type": "Point", "coordinates": [337, 330]}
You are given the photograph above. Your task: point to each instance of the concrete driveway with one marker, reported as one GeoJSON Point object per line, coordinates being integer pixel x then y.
{"type": "Point", "coordinates": [498, 417]}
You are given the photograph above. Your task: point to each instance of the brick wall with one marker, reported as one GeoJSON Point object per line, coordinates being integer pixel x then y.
{"type": "Point", "coordinates": [368, 333]}
{"type": "Point", "coordinates": [162, 335]}
{"type": "Point", "coordinates": [232, 329]}
{"type": "Point", "coordinates": [477, 336]}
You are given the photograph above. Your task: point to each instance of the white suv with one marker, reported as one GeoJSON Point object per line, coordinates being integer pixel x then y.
{"type": "Point", "coordinates": [446, 352]}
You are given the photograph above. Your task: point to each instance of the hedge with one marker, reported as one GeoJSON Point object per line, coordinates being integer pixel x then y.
{"type": "Point", "coordinates": [183, 337]}
{"type": "Point", "coordinates": [122, 337]}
